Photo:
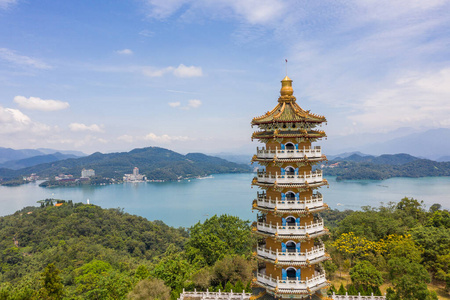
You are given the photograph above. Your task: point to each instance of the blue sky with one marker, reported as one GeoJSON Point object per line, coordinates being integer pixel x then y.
{"type": "Point", "coordinates": [190, 75]}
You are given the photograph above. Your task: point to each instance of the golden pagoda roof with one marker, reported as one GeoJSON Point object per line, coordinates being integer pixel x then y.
{"type": "Point", "coordinates": [287, 109]}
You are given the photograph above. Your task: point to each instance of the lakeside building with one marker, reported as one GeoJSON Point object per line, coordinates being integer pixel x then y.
{"type": "Point", "coordinates": [288, 226]}
{"type": "Point", "coordinates": [87, 173]}
{"type": "Point", "coordinates": [135, 177]}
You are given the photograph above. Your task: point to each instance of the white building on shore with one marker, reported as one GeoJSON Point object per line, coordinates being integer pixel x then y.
{"type": "Point", "coordinates": [135, 177]}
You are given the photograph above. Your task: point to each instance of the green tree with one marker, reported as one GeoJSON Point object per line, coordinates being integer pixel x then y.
{"type": "Point", "coordinates": [352, 290]}
{"type": "Point", "coordinates": [217, 237]}
{"type": "Point", "coordinates": [238, 287]}
{"type": "Point", "coordinates": [409, 278]}
{"type": "Point", "coordinates": [364, 274]}
{"type": "Point", "coordinates": [231, 269]}
{"type": "Point", "coordinates": [173, 269]}
{"type": "Point", "coordinates": [152, 288]}
{"type": "Point", "coordinates": [228, 287]}
{"type": "Point", "coordinates": [52, 287]}
{"type": "Point", "coordinates": [341, 290]}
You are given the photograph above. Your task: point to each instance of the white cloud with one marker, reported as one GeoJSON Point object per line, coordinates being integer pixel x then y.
{"type": "Point", "coordinates": [125, 52]}
{"type": "Point", "coordinates": [174, 104]}
{"type": "Point", "coordinates": [36, 103]}
{"type": "Point", "coordinates": [194, 103]}
{"type": "Point", "coordinates": [184, 71]}
{"type": "Point", "coordinates": [12, 56]}
{"type": "Point", "coordinates": [4, 4]}
{"type": "Point", "coordinates": [14, 121]}
{"type": "Point", "coordinates": [252, 11]}
{"type": "Point", "coordinates": [419, 100]}
{"type": "Point", "coordinates": [164, 138]}
{"type": "Point", "coordinates": [146, 33]}
{"type": "Point", "coordinates": [82, 127]}
{"type": "Point", "coordinates": [155, 72]}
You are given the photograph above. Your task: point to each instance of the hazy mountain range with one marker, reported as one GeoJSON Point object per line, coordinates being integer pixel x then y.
{"type": "Point", "coordinates": [432, 144]}
{"type": "Point", "coordinates": [154, 162]}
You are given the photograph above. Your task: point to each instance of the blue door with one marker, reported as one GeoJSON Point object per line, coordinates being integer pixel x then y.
{"type": "Point", "coordinates": [298, 245]}
{"type": "Point", "coordinates": [299, 274]}
{"type": "Point", "coordinates": [283, 247]}
{"type": "Point", "coordinates": [297, 221]}
{"type": "Point", "coordinates": [283, 196]}
{"type": "Point", "coordinates": [282, 146]}
{"type": "Point", "coordinates": [296, 171]}
{"type": "Point", "coordinates": [283, 171]}
{"type": "Point", "coordinates": [297, 196]}
{"type": "Point", "coordinates": [283, 221]}
{"type": "Point", "coordinates": [283, 274]}
{"type": "Point", "coordinates": [296, 146]}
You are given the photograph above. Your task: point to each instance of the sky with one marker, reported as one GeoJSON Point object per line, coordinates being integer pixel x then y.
{"type": "Point", "coordinates": [189, 75]}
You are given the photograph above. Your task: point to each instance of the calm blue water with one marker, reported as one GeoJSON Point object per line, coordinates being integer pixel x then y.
{"type": "Point", "coordinates": [187, 202]}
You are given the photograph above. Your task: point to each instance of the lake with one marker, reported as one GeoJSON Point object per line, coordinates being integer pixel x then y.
{"type": "Point", "coordinates": [187, 202]}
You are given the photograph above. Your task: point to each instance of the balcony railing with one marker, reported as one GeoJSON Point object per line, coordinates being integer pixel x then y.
{"type": "Point", "coordinates": [293, 285]}
{"type": "Point", "coordinates": [295, 229]}
{"type": "Point", "coordinates": [315, 201]}
{"type": "Point", "coordinates": [310, 255]}
{"type": "Point", "coordinates": [310, 153]}
{"type": "Point", "coordinates": [311, 178]}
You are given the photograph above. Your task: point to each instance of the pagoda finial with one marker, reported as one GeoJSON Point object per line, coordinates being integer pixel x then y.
{"type": "Point", "coordinates": [286, 87]}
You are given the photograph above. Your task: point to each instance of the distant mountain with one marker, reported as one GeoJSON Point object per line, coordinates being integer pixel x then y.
{"type": "Point", "coordinates": [444, 158]}
{"type": "Point", "coordinates": [431, 144]}
{"type": "Point", "coordinates": [237, 158]}
{"type": "Point", "coordinates": [346, 155]}
{"type": "Point", "coordinates": [385, 166]}
{"type": "Point", "coordinates": [385, 159]}
{"type": "Point", "coordinates": [69, 152]}
{"type": "Point", "coordinates": [35, 160]}
{"type": "Point", "coordinates": [7, 154]}
{"type": "Point", "coordinates": [154, 162]}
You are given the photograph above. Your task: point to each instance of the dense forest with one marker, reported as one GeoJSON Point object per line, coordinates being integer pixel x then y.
{"type": "Point", "coordinates": [384, 167]}
{"type": "Point", "coordinates": [156, 163]}
{"type": "Point", "coordinates": [78, 251]}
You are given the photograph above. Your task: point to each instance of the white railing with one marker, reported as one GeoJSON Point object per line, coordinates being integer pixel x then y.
{"type": "Point", "coordinates": [354, 297]}
{"type": "Point", "coordinates": [215, 295]}
{"type": "Point", "coordinates": [295, 229]}
{"type": "Point", "coordinates": [313, 177]}
{"type": "Point", "coordinates": [312, 202]}
{"type": "Point", "coordinates": [310, 153]}
{"type": "Point", "coordinates": [292, 284]}
{"type": "Point", "coordinates": [310, 255]}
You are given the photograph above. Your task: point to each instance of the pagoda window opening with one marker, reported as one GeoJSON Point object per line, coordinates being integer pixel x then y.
{"type": "Point", "coordinates": [290, 196]}
{"type": "Point", "coordinates": [290, 171]}
{"type": "Point", "coordinates": [291, 273]}
{"type": "Point", "coordinates": [290, 146]}
{"type": "Point", "coordinates": [290, 246]}
{"type": "Point", "coordinates": [290, 221]}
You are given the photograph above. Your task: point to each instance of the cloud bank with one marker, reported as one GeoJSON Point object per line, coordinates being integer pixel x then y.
{"type": "Point", "coordinates": [35, 103]}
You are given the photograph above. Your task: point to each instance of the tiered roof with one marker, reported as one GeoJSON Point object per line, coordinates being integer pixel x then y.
{"type": "Point", "coordinates": [287, 110]}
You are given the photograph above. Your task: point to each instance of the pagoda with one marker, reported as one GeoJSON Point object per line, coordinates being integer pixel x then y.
{"type": "Point", "coordinates": [289, 250]}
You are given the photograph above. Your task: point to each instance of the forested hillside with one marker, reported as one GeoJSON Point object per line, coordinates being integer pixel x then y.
{"type": "Point", "coordinates": [156, 163]}
{"type": "Point", "coordinates": [78, 251]}
{"type": "Point", "coordinates": [400, 246]}
{"type": "Point", "coordinates": [384, 167]}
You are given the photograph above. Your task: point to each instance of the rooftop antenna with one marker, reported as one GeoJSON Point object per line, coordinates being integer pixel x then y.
{"type": "Point", "coordinates": [286, 66]}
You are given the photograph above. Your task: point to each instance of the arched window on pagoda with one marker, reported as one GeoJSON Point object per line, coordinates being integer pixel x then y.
{"type": "Point", "coordinates": [290, 246]}
{"type": "Point", "coordinates": [291, 273]}
{"type": "Point", "coordinates": [290, 170]}
{"type": "Point", "coordinates": [290, 146]}
{"type": "Point", "coordinates": [290, 196]}
{"type": "Point", "coordinates": [290, 221]}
